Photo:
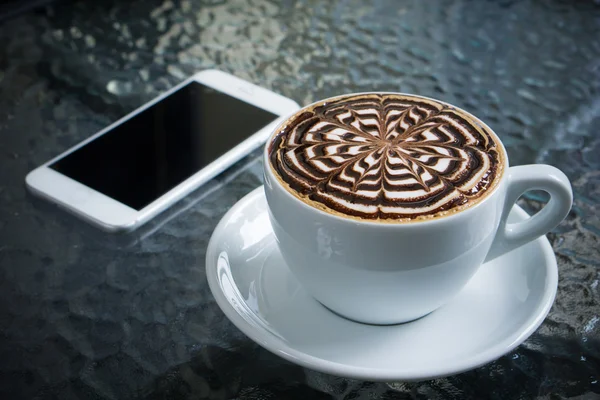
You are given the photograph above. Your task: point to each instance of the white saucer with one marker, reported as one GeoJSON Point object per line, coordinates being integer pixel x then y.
{"type": "Point", "coordinates": [502, 305]}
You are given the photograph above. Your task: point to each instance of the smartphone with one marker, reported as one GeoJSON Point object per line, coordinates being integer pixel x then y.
{"type": "Point", "coordinates": [129, 172]}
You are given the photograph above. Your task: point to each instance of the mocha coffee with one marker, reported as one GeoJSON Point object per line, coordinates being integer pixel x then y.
{"type": "Point", "coordinates": [386, 157]}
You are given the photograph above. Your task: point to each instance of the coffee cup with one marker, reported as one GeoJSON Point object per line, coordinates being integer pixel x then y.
{"type": "Point", "coordinates": [384, 205]}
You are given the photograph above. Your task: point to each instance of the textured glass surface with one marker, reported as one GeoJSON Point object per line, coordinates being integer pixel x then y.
{"type": "Point", "coordinates": [84, 315]}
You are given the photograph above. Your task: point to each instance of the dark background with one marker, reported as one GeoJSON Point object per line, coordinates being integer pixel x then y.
{"type": "Point", "coordinates": [83, 315]}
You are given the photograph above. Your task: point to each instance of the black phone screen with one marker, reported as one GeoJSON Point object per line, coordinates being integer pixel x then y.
{"type": "Point", "coordinates": [154, 151]}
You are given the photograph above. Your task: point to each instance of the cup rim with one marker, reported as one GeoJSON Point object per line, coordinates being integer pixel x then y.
{"type": "Point", "coordinates": [440, 219]}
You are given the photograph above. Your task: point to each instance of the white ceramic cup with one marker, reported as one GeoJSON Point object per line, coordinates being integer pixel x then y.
{"type": "Point", "coordinates": [387, 273]}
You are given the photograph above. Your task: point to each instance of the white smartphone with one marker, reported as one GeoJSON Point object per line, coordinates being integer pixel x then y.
{"type": "Point", "coordinates": [127, 173]}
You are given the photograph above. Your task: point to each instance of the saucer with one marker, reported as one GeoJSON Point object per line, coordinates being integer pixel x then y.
{"type": "Point", "coordinates": [500, 307]}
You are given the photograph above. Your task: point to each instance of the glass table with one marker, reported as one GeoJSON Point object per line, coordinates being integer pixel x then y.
{"type": "Point", "coordinates": [88, 315]}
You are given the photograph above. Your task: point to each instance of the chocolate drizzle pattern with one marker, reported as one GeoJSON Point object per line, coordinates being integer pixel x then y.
{"type": "Point", "coordinates": [386, 156]}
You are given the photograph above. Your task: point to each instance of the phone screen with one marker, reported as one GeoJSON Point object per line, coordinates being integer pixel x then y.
{"type": "Point", "coordinates": [151, 153]}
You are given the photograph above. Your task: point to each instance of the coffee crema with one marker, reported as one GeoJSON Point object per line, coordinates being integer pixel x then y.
{"type": "Point", "coordinates": [387, 157]}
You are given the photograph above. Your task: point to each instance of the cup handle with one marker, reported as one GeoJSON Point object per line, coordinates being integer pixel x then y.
{"type": "Point", "coordinates": [520, 180]}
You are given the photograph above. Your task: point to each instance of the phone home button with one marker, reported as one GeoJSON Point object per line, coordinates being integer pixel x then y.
{"type": "Point", "coordinates": [79, 196]}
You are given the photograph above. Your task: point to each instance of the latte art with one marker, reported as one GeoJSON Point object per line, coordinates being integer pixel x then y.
{"type": "Point", "coordinates": [386, 156]}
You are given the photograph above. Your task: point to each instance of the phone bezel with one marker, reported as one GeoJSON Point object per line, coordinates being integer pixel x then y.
{"type": "Point", "coordinates": [112, 215]}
